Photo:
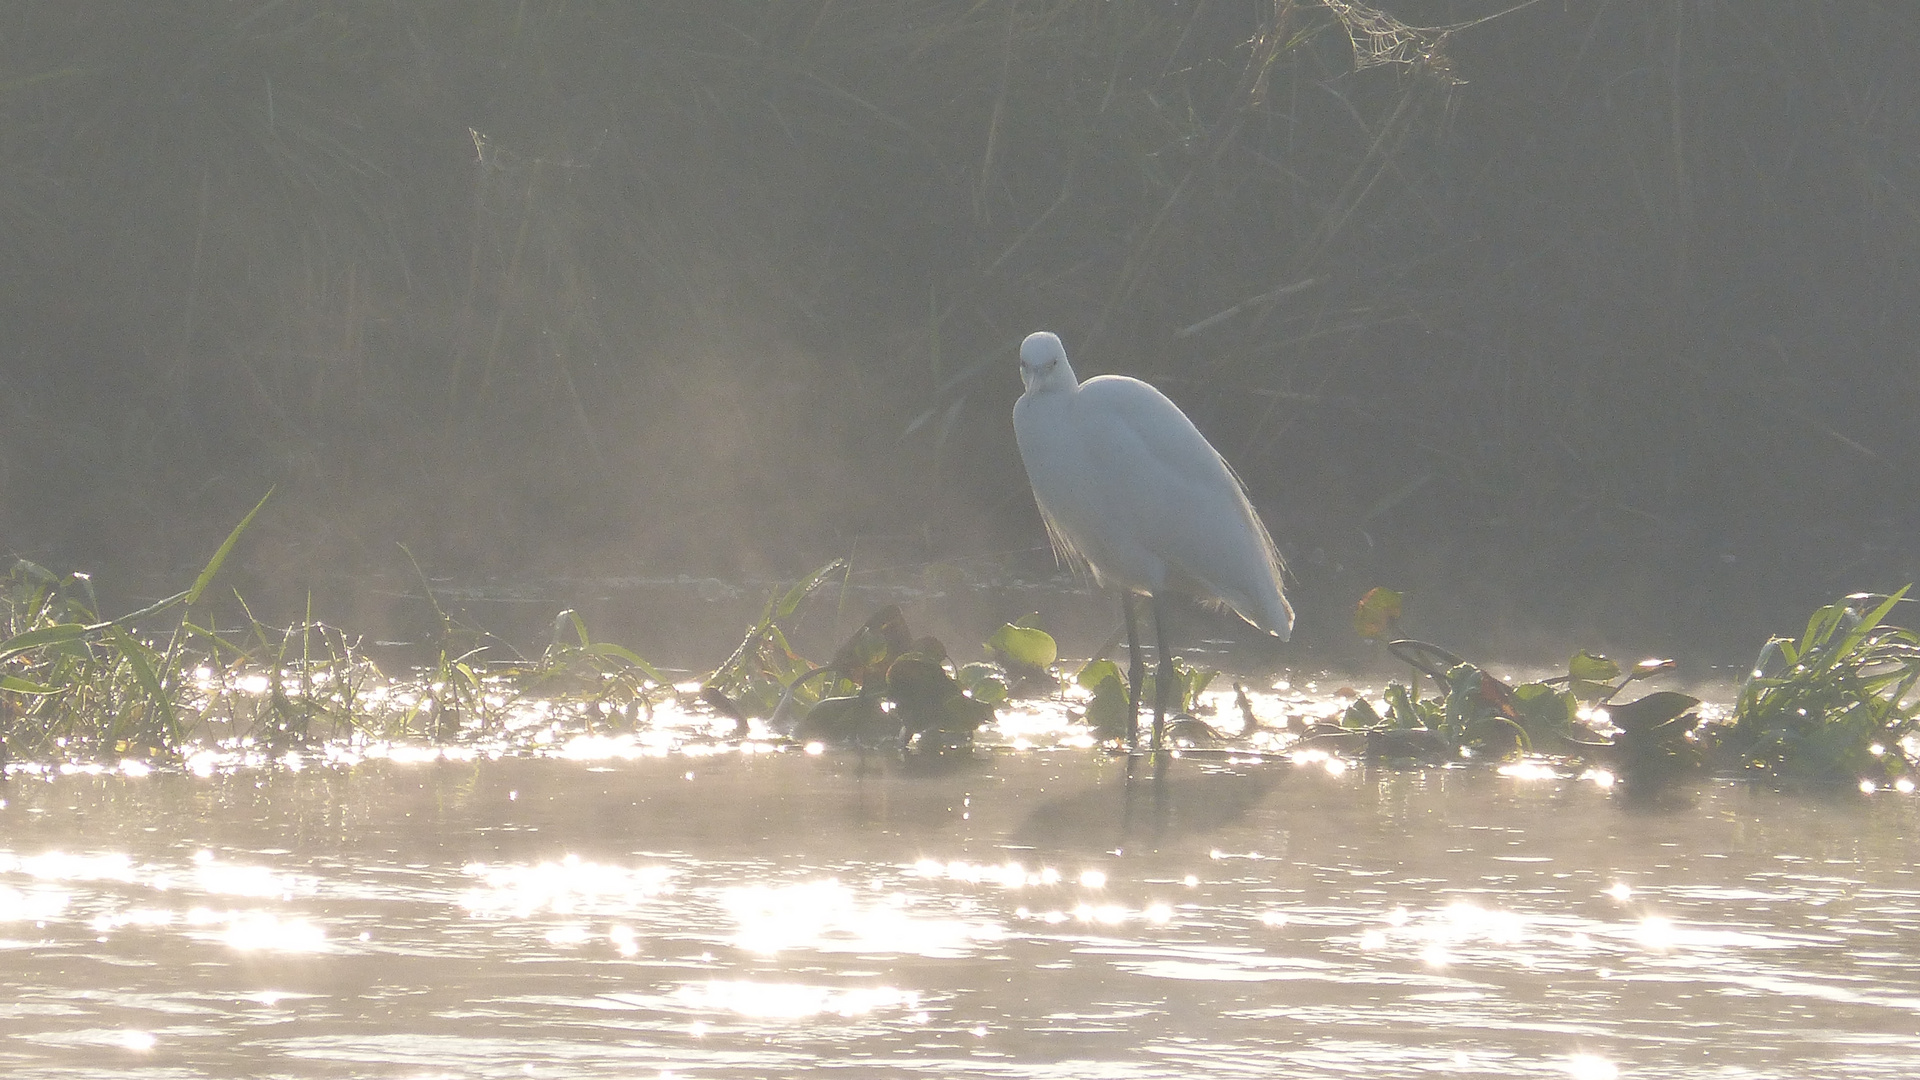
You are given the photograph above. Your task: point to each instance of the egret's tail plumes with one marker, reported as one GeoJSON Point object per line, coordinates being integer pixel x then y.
{"type": "Point", "coordinates": [1268, 600]}
{"type": "Point", "coordinates": [1240, 568]}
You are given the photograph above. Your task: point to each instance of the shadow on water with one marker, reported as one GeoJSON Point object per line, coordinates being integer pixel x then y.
{"type": "Point", "coordinates": [1158, 798]}
{"type": "Point", "coordinates": [1657, 795]}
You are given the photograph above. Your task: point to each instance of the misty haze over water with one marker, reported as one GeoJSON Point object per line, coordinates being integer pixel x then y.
{"type": "Point", "coordinates": [1589, 323]}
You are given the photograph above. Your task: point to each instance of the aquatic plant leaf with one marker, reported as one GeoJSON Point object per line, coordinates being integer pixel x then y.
{"type": "Point", "coordinates": [1478, 713]}
{"type": "Point", "coordinates": [1109, 707]}
{"type": "Point", "coordinates": [138, 657]}
{"type": "Point", "coordinates": [1590, 677]}
{"type": "Point", "coordinates": [962, 716]}
{"type": "Point", "coordinates": [1819, 707]}
{"type": "Point", "coordinates": [1404, 710]}
{"type": "Point", "coordinates": [27, 641]}
{"type": "Point", "coordinates": [871, 648]}
{"type": "Point", "coordinates": [17, 685]}
{"type": "Point", "coordinates": [569, 619]}
{"type": "Point", "coordinates": [981, 682]}
{"type": "Point", "coordinates": [1655, 736]}
{"type": "Point", "coordinates": [1548, 713]}
{"type": "Point", "coordinates": [1424, 656]}
{"type": "Point", "coordinates": [854, 719]}
{"type": "Point", "coordinates": [919, 681]}
{"type": "Point", "coordinates": [1184, 730]}
{"type": "Point", "coordinates": [1377, 612]}
{"type": "Point", "coordinates": [1418, 744]}
{"type": "Point", "coordinates": [1360, 714]}
{"type": "Point", "coordinates": [1023, 647]}
{"type": "Point", "coordinates": [1194, 682]}
{"type": "Point", "coordinates": [719, 702]}
{"type": "Point", "coordinates": [790, 602]}
{"type": "Point", "coordinates": [1655, 709]}
{"type": "Point", "coordinates": [927, 698]}
{"type": "Point", "coordinates": [226, 548]}
{"type": "Point", "coordinates": [617, 652]}
{"type": "Point", "coordinates": [35, 571]}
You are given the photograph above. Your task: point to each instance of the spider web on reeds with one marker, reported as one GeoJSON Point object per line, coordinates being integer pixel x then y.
{"type": "Point", "coordinates": [1379, 39]}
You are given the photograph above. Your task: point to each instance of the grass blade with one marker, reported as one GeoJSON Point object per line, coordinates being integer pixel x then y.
{"type": "Point", "coordinates": [213, 565]}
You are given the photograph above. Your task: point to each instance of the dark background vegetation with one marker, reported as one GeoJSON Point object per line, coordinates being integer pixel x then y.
{"type": "Point", "coordinates": [1583, 320]}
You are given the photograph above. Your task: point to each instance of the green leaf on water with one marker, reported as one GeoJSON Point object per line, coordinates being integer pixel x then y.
{"type": "Point", "coordinates": [1024, 646]}
{"type": "Point", "coordinates": [855, 718]}
{"type": "Point", "coordinates": [982, 683]}
{"type": "Point", "coordinates": [1651, 711]}
{"type": "Point", "coordinates": [1590, 677]}
{"type": "Point", "coordinates": [1109, 708]}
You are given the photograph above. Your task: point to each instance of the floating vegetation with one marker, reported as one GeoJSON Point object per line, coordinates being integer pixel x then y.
{"type": "Point", "coordinates": [170, 683]}
{"type": "Point", "coordinates": [1836, 705]}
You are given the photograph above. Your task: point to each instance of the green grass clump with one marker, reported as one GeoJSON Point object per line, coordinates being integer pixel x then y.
{"type": "Point", "coordinates": [1838, 702]}
{"type": "Point", "coordinates": [167, 679]}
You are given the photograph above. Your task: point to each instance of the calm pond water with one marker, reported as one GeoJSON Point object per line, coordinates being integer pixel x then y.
{"type": "Point", "coordinates": [1041, 913]}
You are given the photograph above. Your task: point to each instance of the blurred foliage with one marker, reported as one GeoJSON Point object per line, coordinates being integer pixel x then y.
{"type": "Point", "coordinates": [882, 687]}
{"type": "Point", "coordinates": [1475, 714]}
{"type": "Point", "coordinates": [1838, 704]}
{"type": "Point", "coordinates": [500, 280]}
{"type": "Point", "coordinates": [1377, 614]}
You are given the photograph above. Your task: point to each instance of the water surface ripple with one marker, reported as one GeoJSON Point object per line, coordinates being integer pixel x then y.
{"type": "Point", "coordinates": [1008, 914]}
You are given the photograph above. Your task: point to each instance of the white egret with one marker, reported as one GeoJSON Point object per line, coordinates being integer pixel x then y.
{"type": "Point", "coordinates": [1128, 486]}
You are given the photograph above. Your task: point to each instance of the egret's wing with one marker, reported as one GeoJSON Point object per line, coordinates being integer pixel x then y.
{"type": "Point", "coordinates": [1184, 502]}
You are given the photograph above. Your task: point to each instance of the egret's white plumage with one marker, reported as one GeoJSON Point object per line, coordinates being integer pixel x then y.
{"type": "Point", "coordinates": [1129, 486]}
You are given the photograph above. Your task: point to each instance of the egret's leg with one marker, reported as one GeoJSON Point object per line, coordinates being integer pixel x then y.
{"type": "Point", "coordinates": [1163, 681]}
{"type": "Point", "coordinates": [1136, 670]}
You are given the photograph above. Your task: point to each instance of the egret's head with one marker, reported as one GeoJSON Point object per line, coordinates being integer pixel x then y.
{"type": "Point", "coordinates": [1043, 362]}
